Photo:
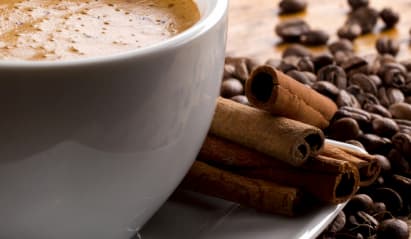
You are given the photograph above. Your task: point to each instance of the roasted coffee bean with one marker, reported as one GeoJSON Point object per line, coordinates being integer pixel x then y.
{"type": "Point", "coordinates": [241, 71]}
{"type": "Point", "coordinates": [391, 198]}
{"type": "Point", "coordinates": [385, 45]}
{"type": "Point", "coordinates": [407, 87]}
{"type": "Point", "coordinates": [379, 207]}
{"type": "Point", "coordinates": [384, 163]}
{"type": "Point", "coordinates": [288, 63]}
{"type": "Point", "coordinates": [407, 64]}
{"type": "Point", "coordinates": [344, 129]}
{"type": "Point", "coordinates": [367, 98]}
{"type": "Point", "coordinates": [334, 74]}
{"type": "Point", "coordinates": [366, 17]}
{"type": "Point", "coordinates": [292, 6]}
{"type": "Point", "coordinates": [242, 99]}
{"type": "Point", "coordinates": [362, 80]}
{"type": "Point", "coordinates": [393, 228]}
{"type": "Point", "coordinates": [322, 60]}
{"type": "Point", "coordinates": [231, 87]}
{"type": "Point", "coordinates": [341, 45]}
{"type": "Point", "coordinates": [365, 218]}
{"type": "Point", "coordinates": [345, 98]}
{"type": "Point", "coordinates": [389, 17]}
{"type": "Point", "coordinates": [402, 142]}
{"type": "Point", "coordinates": [385, 127]}
{"type": "Point", "coordinates": [383, 97]}
{"type": "Point", "coordinates": [361, 116]}
{"type": "Point", "coordinates": [354, 4]}
{"type": "Point", "coordinates": [377, 109]}
{"type": "Point", "coordinates": [399, 164]}
{"type": "Point", "coordinates": [296, 50]}
{"type": "Point", "coordinates": [402, 185]}
{"type": "Point", "coordinates": [393, 74]}
{"type": "Point", "coordinates": [301, 76]}
{"type": "Point", "coordinates": [349, 31]}
{"type": "Point", "coordinates": [359, 202]}
{"type": "Point", "coordinates": [338, 223]}
{"type": "Point", "coordinates": [375, 144]}
{"type": "Point", "coordinates": [326, 88]}
{"type": "Point", "coordinates": [355, 90]}
{"type": "Point", "coordinates": [395, 95]}
{"type": "Point", "coordinates": [314, 38]}
{"type": "Point", "coordinates": [376, 79]}
{"type": "Point", "coordinates": [291, 30]}
{"type": "Point", "coordinates": [354, 65]}
{"type": "Point", "coordinates": [228, 71]}
{"type": "Point", "coordinates": [305, 64]}
{"type": "Point", "coordinates": [400, 110]}
{"type": "Point", "coordinates": [342, 56]}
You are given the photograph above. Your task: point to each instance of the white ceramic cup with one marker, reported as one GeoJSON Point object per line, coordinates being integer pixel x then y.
{"type": "Point", "coordinates": [91, 148]}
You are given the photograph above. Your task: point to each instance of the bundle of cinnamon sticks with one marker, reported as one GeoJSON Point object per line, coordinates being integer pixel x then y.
{"type": "Point", "coordinates": [277, 161]}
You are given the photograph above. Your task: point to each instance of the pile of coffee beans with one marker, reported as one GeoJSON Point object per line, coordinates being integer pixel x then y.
{"type": "Point", "coordinates": [373, 95]}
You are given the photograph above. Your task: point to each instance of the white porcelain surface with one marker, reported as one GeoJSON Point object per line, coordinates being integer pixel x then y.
{"type": "Point", "coordinates": [188, 215]}
{"type": "Point", "coordinates": [91, 148]}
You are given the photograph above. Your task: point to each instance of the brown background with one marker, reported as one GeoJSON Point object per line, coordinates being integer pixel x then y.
{"type": "Point", "coordinates": [251, 26]}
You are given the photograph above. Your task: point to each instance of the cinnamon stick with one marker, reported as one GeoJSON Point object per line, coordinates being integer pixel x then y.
{"type": "Point", "coordinates": [367, 164]}
{"type": "Point", "coordinates": [274, 91]}
{"type": "Point", "coordinates": [279, 137]}
{"type": "Point", "coordinates": [338, 183]}
{"type": "Point", "coordinates": [255, 193]}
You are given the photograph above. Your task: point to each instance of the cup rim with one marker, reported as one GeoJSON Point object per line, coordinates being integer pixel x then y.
{"type": "Point", "coordinates": [203, 25]}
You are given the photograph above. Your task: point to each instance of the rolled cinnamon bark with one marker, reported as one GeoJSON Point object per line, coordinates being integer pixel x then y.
{"type": "Point", "coordinates": [337, 183]}
{"type": "Point", "coordinates": [255, 193]}
{"type": "Point", "coordinates": [274, 91]}
{"type": "Point", "coordinates": [367, 164]}
{"type": "Point", "coordinates": [279, 137]}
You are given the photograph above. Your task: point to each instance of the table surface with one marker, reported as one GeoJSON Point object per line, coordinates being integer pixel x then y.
{"type": "Point", "coordinates": [251, 27]}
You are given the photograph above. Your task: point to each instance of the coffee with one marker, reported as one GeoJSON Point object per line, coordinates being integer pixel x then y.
{"type": "Point", "coordinates": [70, 29]}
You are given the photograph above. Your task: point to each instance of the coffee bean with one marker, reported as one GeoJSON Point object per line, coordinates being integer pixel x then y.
{"type": "Point", "coordinates": [296, 50]}
{"type": "Point", "coordinates": [359, 202]}
{"type": "Point", "coordinates": [385, 127]}
{"type": "Point", "coordinates": [322, 60]}
{"type": "Point", "coordinates": [391, 198]}
{"type": "Point", "coordinates": [366, 84]}
{"type": "Point", "coordinates": [314, 38]}
{"type": "Point", "coordinates": [344, 129]}
{"type": "Point", "coordinates": [400, 110]}
{"type": "Point", "coordinates": [288, 64]}
{"type": "Point", "coordinates": [305, 64]}
{"type": "Point", "coordinates": [384, 163]}
{"type": "Point", "coordinates": [326, 88]}
{"type": "Point", "coordinates": [292, 6]}
{"type": "Point", "coordinates": [376, 79]}
{"type": "Point", "coordinates": [355, 143]}
{"type": "Point", "coordinates": [231, 87]}
{"type": "Point", "coordinates": [366, 17]}
{"type": "Point", "coordinates": [367, 98]}
{"type": "Point", "coordinates": [362, 117]}
{"type": "Point", "coordinates": [377, 109]}
{"type": "Point", "coordinates": [291, 30]}
{"type": "Point", "coordinates": [346, 99]}
{"type": "Point", "coordinates": [338, 223]}
{"type": "Point", "coordinates": [393, 74]}
{"type": "Point", "coordinates": [375, 144]}
{"type": "Point", "coordinates": [389, 17]}
{"type": "Point", "coordinates": [385, 45]}
{"type": "Point", "coordinates": [228, 71]}
{"type": "Point", "coordinates": [241, 71]}
{"type": "Point", "coordinates": [393, 228]}
{"type": "Point", "coordinates": [334, 74]}
{"type": "Point", "coordinates": [402, 142]}
{"type": "Point", "coordinates": [395, 95]}
{"type": "Point", "coordinates": [242, 99]}
{"type": "Point", "coordinates": [399, 164]}
{"type": "Point", "coordinates": [349, 31]}
{"type": "Point", "coordinates": [354, 65]}
{"type": "Point", "coordinates": [301, 76]}
{"type": "Point", "coordinates": [341, 45]}
{"type": "Point", "coordinates": [354, 4]}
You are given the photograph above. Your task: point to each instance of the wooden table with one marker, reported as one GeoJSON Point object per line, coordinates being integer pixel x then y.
{"type": "Point", "coordinates": [251, 27]}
